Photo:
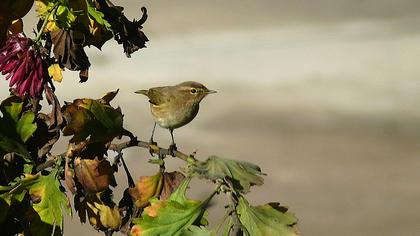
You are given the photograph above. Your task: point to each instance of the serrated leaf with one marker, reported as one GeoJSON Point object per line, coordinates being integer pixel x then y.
{"type": "Point", "coordinates": [107, 116]}
{"type": "Point", "coordinates": [8, 145]}
{"type": "Point", "coordinates": [171, 181]}
{"type": "Point", "coordinates": [14, 124]}
{"type": "Point", "coordinates": [146, 188]}
{"type": "Point", "coordinates": [194, 230]}
{"type": "Point", "coordinates": [170, 217]}
{"type": "Point", "coordinates": [15, 129]}
{"type": "Point", "coordinates": [103, 215]}
{"type": "Point", "coordinates": [268, 219]}
{"type": "Point", "coordinates": [89, 117]}
{"type": "Point", "coordinates": [128, 33]}
{"type": "Point", "coordinates": [49, 204]}
{"type": "Point", "coordinates": [108, 97]}
{"type": "Point", "coordinates": [242, 174]}
{"type": "Point", "coordinates": [94, 175]}
{"type": "Point", "coordinates": [64, 17]}
{"type": "Point", "coordinates": [11, 107]}
{"type": "Point", "coordinates": [7, 198]}
{"type": "Point", "coordinates": [98, 17]}
{"type": "Point", "coordinates": [43, 7]}
{"type": "Point", "coordinates": [25, 126]}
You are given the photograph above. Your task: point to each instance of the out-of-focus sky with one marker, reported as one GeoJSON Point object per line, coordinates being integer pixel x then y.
{"type": "Point", "coordinates": [323, 95]}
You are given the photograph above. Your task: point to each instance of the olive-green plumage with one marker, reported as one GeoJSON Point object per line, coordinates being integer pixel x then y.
{"type": "Point", "coordinates": [175, 106]}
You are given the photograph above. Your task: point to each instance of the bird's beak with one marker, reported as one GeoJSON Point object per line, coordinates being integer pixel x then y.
{"type": "Point", "coordinates": [144, 92]}
{"type": "Point", "coordinates": [211, 91]}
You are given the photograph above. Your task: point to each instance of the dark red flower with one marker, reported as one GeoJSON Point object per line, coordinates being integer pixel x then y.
{"type": "Point", "coordinates": [23, 66]}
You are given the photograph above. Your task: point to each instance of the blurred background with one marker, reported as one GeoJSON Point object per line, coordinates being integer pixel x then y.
{"type": "Point", "coordinates": [323, 95]}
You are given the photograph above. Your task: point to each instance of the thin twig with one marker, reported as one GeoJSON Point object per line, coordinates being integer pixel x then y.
{"type": "Point", "coordinates": [237, 226]}
{"type": "Point", "coordinates": [74, 149]}
{"type": "Point", "coordinates": [129, 177]}
{"type": "Point", "coordinates": [153, 149]}
{"type": "Point", "coordinates": [44, 23]}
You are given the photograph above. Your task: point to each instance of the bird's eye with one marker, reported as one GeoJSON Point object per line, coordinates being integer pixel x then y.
{"type": "Point", "coordinates": [193, 91]}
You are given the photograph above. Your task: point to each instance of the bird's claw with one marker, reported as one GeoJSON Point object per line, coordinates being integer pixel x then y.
{"type": "Point", "coordinates": [172, 149]}
{"type": "Point", "coordinates": [152, 143]}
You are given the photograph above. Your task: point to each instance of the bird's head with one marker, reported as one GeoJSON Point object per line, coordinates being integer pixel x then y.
{"type": "Point", "coordinates": [193, 91]}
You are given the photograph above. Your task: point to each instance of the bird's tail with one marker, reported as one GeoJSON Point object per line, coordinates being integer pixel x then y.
{"type": "Point", "coordinates": [142, 91]}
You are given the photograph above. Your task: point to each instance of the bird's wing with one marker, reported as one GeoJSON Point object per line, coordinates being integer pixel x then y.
{"type": "Point", "coordinates": [157, 96]}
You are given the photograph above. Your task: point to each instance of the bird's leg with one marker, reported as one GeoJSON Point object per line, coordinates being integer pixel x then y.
{"type": "Point", "coordinates": [151, 141]}
{"type": "Point", "coordinates": [153, 132]}
{"type": "Point", "coordinates": [172, 147]}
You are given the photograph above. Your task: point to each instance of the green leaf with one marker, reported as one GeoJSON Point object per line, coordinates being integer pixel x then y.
{"type": "Point", "coordinates": [242, 174]}
{"type": "Point", "coordinates": [194, 230]}
{"type": "Point", "coordinates": [49, 204]}
{"type": "Point", "coordinates": [64, 17]}
{"type": "Point", "coordinates": [25, 126]}
{"type": "Point", "coordinates": [7, 198]}
{"type": "Point", "coordinates": [13, 124]}
{"type": "Point", "coordinates": [89, 117]}
{"type": "Point", "coordinates": [43, 7]}
{"type": "Point", "coordinates": [268, 219]}
{"type": "Point", "coordinates": [8, 145]}
{"type": "Point", "coordinates": [11, 109]}
{"type": "Point", "coordinates": [98, 17]}
{"type": "Point", "coordinates": [15, 128]}
{"type": "Point", "coordinates": [47, 200]}
{"type": "Point", "coordinates": [228, 227]}
{"type": "Point", "coordinates": [172, 216]}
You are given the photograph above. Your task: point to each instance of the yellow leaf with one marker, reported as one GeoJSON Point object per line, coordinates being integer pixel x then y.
{"type": "Point", "coordinates": [146, 188]}
{"type": "Point", "coordinates": [110, 217]}
{"type": "Point", "coordinates": [41, 8]}
{"type": "Point", "coordinates": [102, 215]}
{"type": "Point", "coordinates": [55, 72]}
{"type": "Point", "coordinates": [51, 26]}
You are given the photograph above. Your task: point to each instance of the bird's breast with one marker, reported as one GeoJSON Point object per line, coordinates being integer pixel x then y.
{"type": "Point", "coordinates": [172, 116]}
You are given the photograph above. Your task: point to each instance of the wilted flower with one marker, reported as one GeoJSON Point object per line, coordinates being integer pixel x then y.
{"type": "Point", "coordinates": [23, 64]}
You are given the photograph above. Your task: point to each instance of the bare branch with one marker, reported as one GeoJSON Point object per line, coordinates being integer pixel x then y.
{"type": "Point", "coordinates": [154, 149]}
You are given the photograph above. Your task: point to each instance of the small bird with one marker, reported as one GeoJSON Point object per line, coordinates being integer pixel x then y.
{"type": "Point", "coordinates": [175, 106]}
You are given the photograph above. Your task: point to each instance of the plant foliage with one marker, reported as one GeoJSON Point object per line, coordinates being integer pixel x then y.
{"type": "Point", "coordinates": [37, 185]}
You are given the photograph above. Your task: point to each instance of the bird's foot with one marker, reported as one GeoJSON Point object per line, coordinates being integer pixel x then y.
{"type": "Point", "coordinates": [152, 143]}
{"type": "Point", "coordinates": [172, 149]}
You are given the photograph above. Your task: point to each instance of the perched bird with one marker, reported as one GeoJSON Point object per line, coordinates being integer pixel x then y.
{"type": "Point", "coordinates": [175, 106]}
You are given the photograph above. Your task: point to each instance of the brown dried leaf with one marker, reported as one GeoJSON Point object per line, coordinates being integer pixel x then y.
{"type": "Point", "coordinates": [10, 11]}
{"type": "Point", "coordinates": [146, 188]}
{"type": "Point", "coordinates": [49, 125]}
{"type": "Point", "coordinates": [102, 214]}
{"type": "Point", "coordinates": [78, 120]}
{"type": "Point", "coordinates": [68, 49]}
{"type": "Point", "coordinates": [69, 177]}
{"type": "Point", "coordinates": [171, 182]}
{"type": "Point", "coordinates": [15, 28]}
{"type": "Point", "coordinates": [126, 32]}
{"type": "Point", "coordinates": [91, 118]}
{"type": "Point", "coordinates": [94, 175]}
{"type": "Point", "coordinates": [108, 97]}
